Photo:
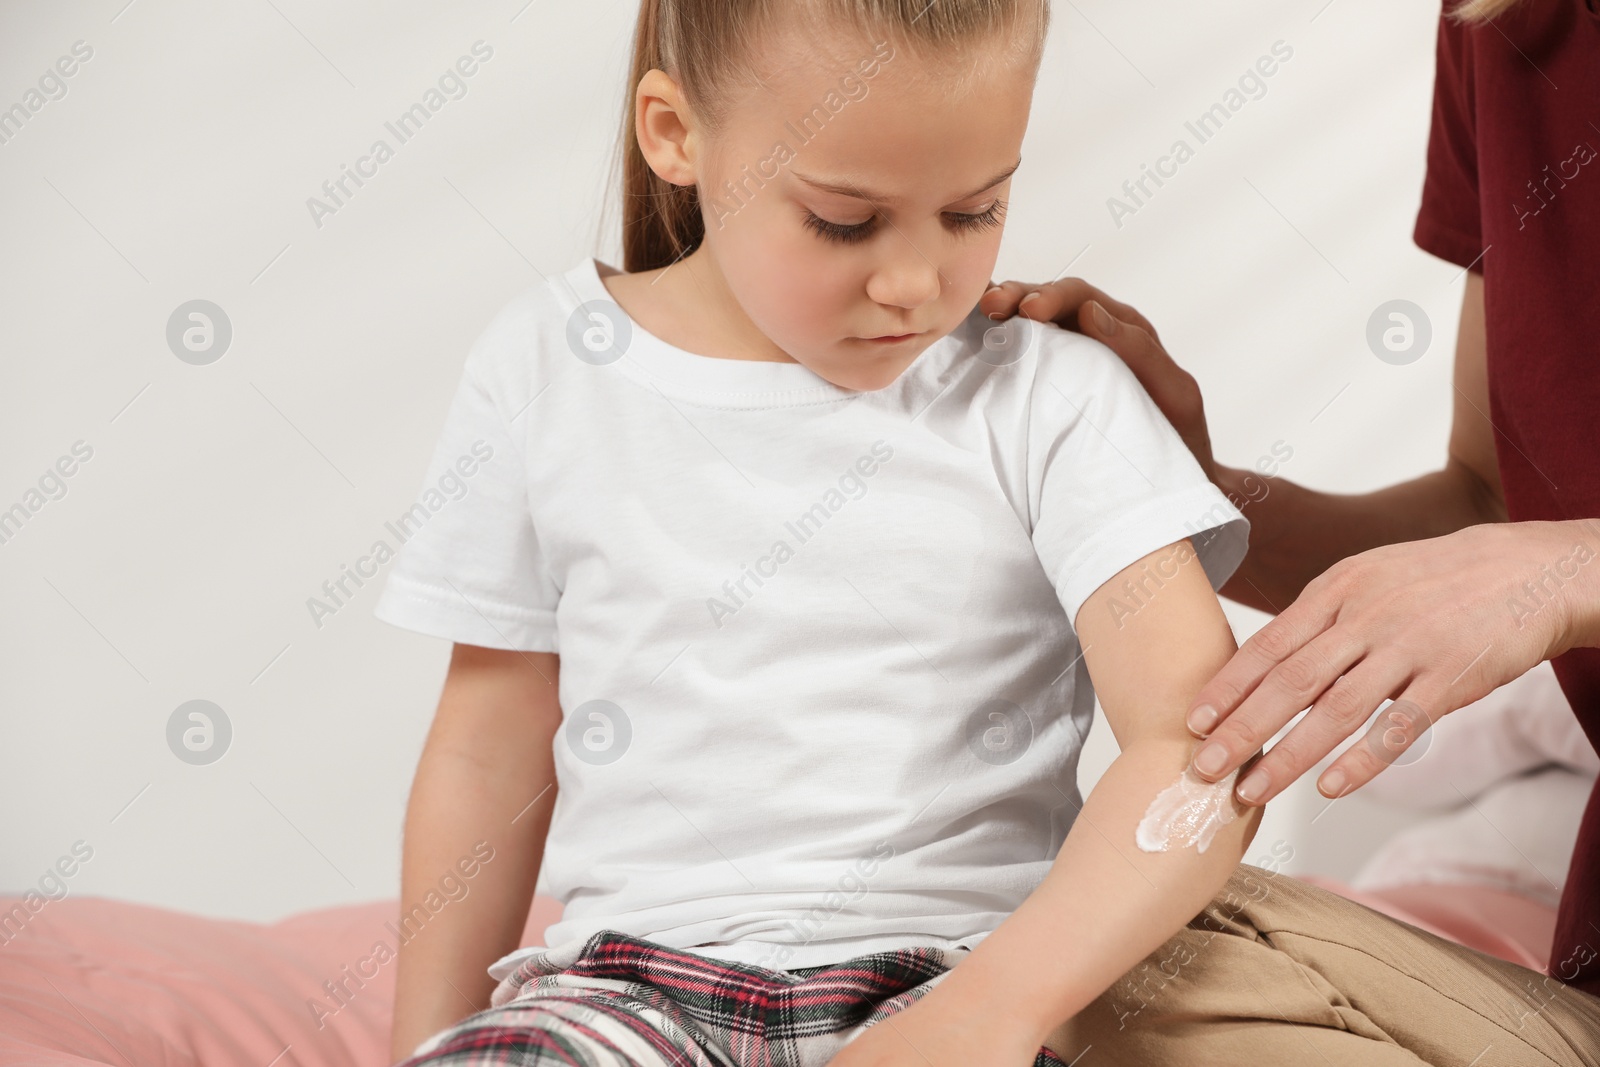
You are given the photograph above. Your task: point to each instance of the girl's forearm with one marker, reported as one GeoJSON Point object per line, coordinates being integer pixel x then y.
{"type": "Point", "coordinates": [1105, 904]}
{"type": "Point", "coordinates": [455, 805]}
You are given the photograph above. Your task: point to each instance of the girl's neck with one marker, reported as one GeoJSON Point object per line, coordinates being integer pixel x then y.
{"type": "Point", "coordinates": [688, 305]}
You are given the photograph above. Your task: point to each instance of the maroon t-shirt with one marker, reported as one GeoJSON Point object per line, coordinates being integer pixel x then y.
{"type": "Point", "coordinates": [1513, 191]}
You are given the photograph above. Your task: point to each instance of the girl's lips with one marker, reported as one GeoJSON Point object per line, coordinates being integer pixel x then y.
{"type": "Point", "coordinates": [889, 339]}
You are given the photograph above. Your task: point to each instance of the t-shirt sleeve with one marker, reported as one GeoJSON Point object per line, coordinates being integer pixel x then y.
{"type": "Point", "coordinates": [470, 566]}
{"type": "Point", "coordinates": [1449, 222]}
{"type": "Point", "coordinates": [1110, 480]}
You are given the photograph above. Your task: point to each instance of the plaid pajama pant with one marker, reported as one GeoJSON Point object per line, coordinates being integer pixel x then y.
{"type": "Point", "coordinates": [621, 1001]}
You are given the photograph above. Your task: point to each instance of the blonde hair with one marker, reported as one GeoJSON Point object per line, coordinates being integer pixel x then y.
{"type": "Point", "coordinates": [1481, 10]}
{"type": "Point", "coordinates": [708, 48]}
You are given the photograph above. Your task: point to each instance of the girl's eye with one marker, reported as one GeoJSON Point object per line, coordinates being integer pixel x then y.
{"type": "Point", "coordinates": [852, 233]}
{"type": "Point", "coordinates": [983, 220]}
{"type": "Point", "coordinates": [840, 232]}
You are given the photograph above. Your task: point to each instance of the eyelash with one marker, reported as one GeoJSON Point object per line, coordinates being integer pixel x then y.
{"type": "Point", "coordinates": [840, 234]}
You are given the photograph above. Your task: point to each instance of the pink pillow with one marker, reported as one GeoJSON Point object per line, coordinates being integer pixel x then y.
{"type": "Point", "coordinates": [1493, 921]}
{"type": "Point", "coordinates": [87, 980]}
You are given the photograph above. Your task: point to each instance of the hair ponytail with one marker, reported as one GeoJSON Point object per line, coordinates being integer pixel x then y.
{"type": "Point", "coordinates": [1481, 10]}
{"type": "Point", "coordinates": [661, 222]}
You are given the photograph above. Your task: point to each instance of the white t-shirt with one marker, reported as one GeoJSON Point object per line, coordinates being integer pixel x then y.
{"type": "Point", "coordinates": [822, 695]}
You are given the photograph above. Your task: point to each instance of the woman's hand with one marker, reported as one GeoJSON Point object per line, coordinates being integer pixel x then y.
{"type": "Point", "coordinates": [1076, 305]}
{"type": "Point", "coordinates": [931, 1033]}
{"type": "Point", "coordinates": [1435, 624]}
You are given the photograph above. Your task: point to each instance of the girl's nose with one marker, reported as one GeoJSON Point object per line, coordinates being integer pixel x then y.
{"type": "Point", "coordinates": [908, 278]}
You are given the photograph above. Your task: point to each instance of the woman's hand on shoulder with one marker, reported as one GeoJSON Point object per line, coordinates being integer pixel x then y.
{"type": "Point", "coordinates": [1076, 305]}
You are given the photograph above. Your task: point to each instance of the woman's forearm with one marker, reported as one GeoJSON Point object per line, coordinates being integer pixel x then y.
{"type": "Point", "coordinates": [1105, 904]}
{"type": "Point", "coordinates": [454, 806]}
{"type": "Point", "coordinates": [1297, 533]}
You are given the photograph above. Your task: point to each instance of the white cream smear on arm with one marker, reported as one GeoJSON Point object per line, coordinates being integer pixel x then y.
{"type": "Point", "coordinates": [1190, 811]}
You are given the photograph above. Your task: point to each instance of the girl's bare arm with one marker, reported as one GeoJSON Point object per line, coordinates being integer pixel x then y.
{"type": "Point", "coordinates": [1106, 903]}
{"type": "Point", "coordinates": [486, 774]}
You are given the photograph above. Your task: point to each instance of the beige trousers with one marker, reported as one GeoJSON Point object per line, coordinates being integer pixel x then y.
{"type": "Point", "coordinates": [1275, 972]}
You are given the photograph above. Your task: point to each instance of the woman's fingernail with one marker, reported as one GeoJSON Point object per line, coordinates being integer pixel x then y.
{"type": "Point", "coordinates": [1202, 719]}
{"type": "Point", "coordinates": [1104, 320]}
{"type": "Point", "coordinates": [1254, 787]}
{"type": "Point", "coordinates": [989, 290]}
{"type": "Point", "coordinates": [1211, 759]}
{"type": "Point", "coordinates": [996, 316]}
{"type": "Point", "coordinates": [1331, 783]}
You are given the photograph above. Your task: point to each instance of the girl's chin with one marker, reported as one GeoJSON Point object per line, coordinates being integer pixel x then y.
{"type": "Point", "coordinates": [862, 381]}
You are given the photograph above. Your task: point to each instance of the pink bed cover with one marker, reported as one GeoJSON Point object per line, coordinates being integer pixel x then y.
{"type": "Point", "coordinates": [94, 981]}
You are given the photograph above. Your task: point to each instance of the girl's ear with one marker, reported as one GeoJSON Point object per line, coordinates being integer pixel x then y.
{"type": "Point", "coordinates": [665, 127]}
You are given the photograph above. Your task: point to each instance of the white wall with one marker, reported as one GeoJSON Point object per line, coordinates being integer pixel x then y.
{"type": "Point", "coordinates": [219, 498]}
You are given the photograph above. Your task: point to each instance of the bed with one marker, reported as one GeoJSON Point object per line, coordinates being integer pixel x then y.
{"type": "Point", "coordinates": [86, 980]}
{"type": "Point", "coordinates": [94, 981]}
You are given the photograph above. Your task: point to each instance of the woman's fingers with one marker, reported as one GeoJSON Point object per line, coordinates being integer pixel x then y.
{"type": "Point", "coordinates": [1057, 302]}
{"type": "Point", "coordinates": [1276, 674]}
{"type": "Point", "coordinates": [1336, 716]}
{"type": "Point", "coordinates": [999, 301]}
{"type": "Point", "coordinates": [1426, 619]}
{"type": "Point", "coordinates": [1389, 738]}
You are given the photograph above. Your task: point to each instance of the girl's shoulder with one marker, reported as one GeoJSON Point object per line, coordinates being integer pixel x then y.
{"type": "Point", "coordinates": [531, 338]}
{"type": "Point", "coordinates": [1025, 359]}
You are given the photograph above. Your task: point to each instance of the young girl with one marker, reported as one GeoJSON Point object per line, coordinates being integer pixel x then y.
{"type": "Point", "coordinates": [829, 560]}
